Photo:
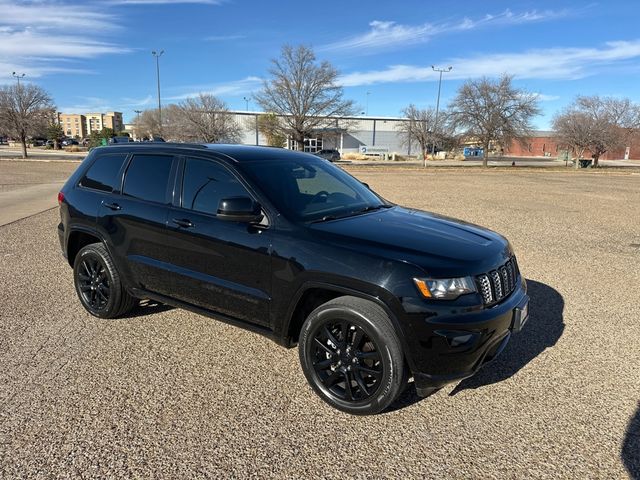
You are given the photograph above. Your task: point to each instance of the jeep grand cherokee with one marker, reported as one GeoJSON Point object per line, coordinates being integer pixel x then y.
{"type": "Point", "coordinates": [289, 245]}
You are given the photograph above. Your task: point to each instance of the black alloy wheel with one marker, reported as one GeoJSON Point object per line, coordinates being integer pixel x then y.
{"type": "Point", "coordinates": [351, 355]}
{"type": "Point", "coordinates": [98, 283]}
{"type": "Point", "coordinates": [347, 361]}
{"type": "Point", "coordinates": [93, 282]}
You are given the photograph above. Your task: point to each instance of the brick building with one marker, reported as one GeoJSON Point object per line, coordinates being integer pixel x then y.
{"type": "Point", "coordinates": [80, 125]}
{"type": "Point", "coordinates": [543, 144]}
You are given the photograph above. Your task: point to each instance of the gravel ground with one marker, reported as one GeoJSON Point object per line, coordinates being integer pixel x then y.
{"type": "Point", "coordinates": [171, 394]}
{"type": "Point", "coordinates": [16, 174]}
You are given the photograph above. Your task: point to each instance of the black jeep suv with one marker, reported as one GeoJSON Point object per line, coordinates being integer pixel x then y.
{"type": "Point", "coordinates": [292, 246]}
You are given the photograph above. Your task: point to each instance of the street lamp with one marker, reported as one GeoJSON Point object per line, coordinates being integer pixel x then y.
{"type": "Point", "coordinates": [435, 122]}
{"type": "Point", "coordinates": [158, 55]}
{"type": "Point", "coordinates": [137, 112]}
{"type": "Point", "coordinates": [367, 109]}
{"type": "Point", "coordinates": [18, 77]}
{"type": "Point", "coordinates": [246, 100]}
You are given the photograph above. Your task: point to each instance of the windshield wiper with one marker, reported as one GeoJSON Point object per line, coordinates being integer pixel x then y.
{"type": "Point", "coordinates": [325, 219]}
{"type": "Point", "coordinates": [369, 208]}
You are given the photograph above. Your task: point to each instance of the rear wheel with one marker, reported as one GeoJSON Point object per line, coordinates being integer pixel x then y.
{"type": "Point", "coordinates": [351, 356]}
{"type": "Point", "coordinates": [98, 283]}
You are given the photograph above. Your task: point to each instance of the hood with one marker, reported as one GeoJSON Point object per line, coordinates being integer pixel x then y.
{"type": "Point", "coordinates": [441, 246]}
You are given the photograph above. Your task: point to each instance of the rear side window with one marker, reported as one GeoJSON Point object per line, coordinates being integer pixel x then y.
{"type": "Point", "coordinates": [205, 183]}
{"type": "Point", "coordinates": [147, 177]}
{"type": "Point", "coordinates": [103, 173]}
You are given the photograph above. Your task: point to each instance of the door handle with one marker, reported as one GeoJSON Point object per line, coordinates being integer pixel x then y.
{"type": "Point", "coordinates": [112, 206]}
{"type": "Point", "coordinates": [183, 222]}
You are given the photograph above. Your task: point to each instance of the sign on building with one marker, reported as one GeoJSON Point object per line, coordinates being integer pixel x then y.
{"type": "Point", "coordinates": [364, 149]}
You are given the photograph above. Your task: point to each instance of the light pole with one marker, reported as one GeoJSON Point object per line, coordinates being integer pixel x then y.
{"type": "Point", "coordinates": [137, 112]}
{"type": "Point", "coordinates": [18, 76]}
{"type": "Point", "coordinates": [367, 109]}
{"type": "Point", "coordinates": [246, 101]}
{"type": "Point", "coordinates": [158, 55]}
{"type": "Point", "coordinates": [435, 122]}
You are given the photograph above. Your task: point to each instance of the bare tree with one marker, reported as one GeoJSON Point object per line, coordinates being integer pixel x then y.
{"type": "Point", "coordinates": [25, 110]}
{"type": "Point", "coordinates": [494, 112]}
{"type": "Point", "coordinates": [304, 94]}
{"type": "Point", "coordinates": [596, 124]}
{"type": "Point", "coordinates": [420, 127]}
{"type": "Point", "coordinates": [204, 118]}
{"type": "Point", "coordinates": [147, 124]}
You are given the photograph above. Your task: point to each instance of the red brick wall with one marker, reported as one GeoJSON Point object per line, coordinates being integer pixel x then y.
{"type": "Point", "coordinates": [537, 146]}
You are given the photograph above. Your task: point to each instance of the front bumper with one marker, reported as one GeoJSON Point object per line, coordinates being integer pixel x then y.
{"type": "Point", "coordinates": [452, 345]}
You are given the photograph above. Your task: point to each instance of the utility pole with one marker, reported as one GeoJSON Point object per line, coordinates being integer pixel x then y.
{"type": "Point", "coordinates": [158, 55]}
{"type": "Point", "coordinates": [435, 122]}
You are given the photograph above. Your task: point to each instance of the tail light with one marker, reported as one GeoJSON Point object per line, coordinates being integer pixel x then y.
{"type": "Point", "coordinates": [60, 198]}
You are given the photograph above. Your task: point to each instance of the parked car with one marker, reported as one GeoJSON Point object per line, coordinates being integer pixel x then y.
{"type": "Point", "coordinates": [39, 142]}
{"type": "Point", "coordinates": [291, 246]}
{"type": "Point", "coordinates": [331, 155]}
{"type": "Point", "coordinates": [122, 139]}
{"type": "Point", "coordinates": [67, 142]}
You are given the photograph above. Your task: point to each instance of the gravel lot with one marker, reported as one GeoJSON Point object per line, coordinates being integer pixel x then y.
{"type": "Point", "coordinates": [171, 394]}
{"type": "Point", "coordinates": [16, 174]}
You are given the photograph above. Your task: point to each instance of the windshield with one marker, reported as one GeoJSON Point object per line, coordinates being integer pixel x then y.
{"type": "Point", "coordinates": [310, 189]}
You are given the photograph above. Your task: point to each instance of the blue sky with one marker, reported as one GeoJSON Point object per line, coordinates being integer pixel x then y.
{"type": "Point", "coordinates": [95, 56]}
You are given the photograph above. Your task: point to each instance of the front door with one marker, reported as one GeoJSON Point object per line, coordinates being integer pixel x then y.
{"type": "Point", "coordinates": [220, 265]}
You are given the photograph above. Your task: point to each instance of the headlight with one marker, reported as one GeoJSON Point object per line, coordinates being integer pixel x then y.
{"type": "Point", "coordinates": [445, 288]}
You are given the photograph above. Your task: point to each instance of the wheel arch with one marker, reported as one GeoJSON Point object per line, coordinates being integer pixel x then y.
{"type": "Point", "coordinates": [313, 294]}
{"type": "Point", "coordinates": [79, 238]}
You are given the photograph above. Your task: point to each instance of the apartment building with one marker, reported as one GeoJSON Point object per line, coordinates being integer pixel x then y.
{"type": "Point", "coordinates": [73, 124]}
{"type": "Point", "coordinates": [97, 121]}
{"type": "Point", "coordinates": [81, 125]}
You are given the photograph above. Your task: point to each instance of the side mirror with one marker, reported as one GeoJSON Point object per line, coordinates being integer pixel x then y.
{"type": "Point", "coordinates": [366, 185]}
{"type": "Point", "coordinates": [239, 209]}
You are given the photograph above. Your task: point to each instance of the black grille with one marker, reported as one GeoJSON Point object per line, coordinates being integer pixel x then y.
{"type": "Point", "coordinates": [499, 283]}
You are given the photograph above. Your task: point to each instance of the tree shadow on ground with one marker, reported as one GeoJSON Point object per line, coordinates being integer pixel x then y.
{"type": "Point", "coordinates": [544, 328]}
{"type": "Point", "coordinates": [147, 307]}
{"type": "Point", "coordinates": [630, 453]}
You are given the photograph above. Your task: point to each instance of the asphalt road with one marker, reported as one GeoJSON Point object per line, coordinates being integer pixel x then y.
{"type": "Point", "coordinates": [170, 394]}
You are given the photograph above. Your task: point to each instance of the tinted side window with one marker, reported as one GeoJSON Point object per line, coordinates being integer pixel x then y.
{"type": "Point", "coordinates": [205, 183]}
{"type": "Point", "coordinates": [103, 173]}
{"type": "Point", "coordinates": [147, 177]}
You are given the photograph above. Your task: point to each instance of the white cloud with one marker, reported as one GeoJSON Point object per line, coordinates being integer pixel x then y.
{"type": "Point", "coordinates": [223, 38]}
{"type": "Point", "coordinates": [33, 43]}
{"type": "Point", "coordinates": [543, 97]}
{"type": "Point", "coordinates": [388, 35]}
{"type": "Point", "coordinates": [40, 37]}
{"type": "Point", "coordinates": [137, 102]}
{"type": "Point", "coordinates": [236, 87]}
{"type": "Point", "coordinates": [87, 104]}
{"type": "Point", "coordinates": [54, 16]}
{"type": "Point", "coordinates": [164, 2]}
{"type": "Point", "coordinates": [553, 63]}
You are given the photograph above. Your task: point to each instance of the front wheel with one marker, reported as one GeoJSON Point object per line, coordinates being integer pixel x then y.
{"type": "Point", "coordinates": [351, 356]}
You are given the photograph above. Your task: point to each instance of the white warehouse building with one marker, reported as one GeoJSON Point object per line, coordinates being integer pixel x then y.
{"type": "Point", "coordinates": [364, 134]}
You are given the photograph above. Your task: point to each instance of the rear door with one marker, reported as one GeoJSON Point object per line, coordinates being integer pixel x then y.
{"type": "Point", "coordinates": [134, 220]}
{"type": "Point", "coordinates": [222, 265]}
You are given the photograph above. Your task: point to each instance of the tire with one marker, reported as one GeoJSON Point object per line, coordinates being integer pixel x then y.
{"type": "Point", "coordinates": [351, 356]}
{"type": "Point", "coordinates": [98, 283]}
